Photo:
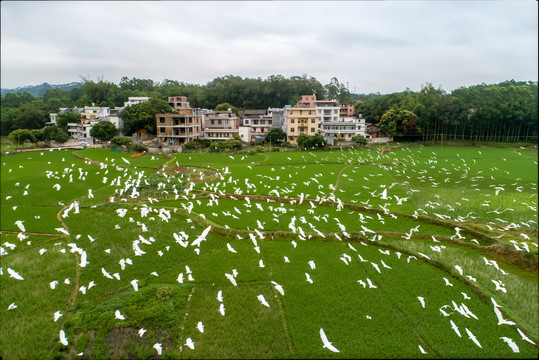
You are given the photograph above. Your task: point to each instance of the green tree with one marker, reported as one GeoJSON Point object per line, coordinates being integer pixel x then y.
{"type": "Point", "coordinates": [20, 136]}
{"type": "Point", "coordinates": [360, 140]}
{"type": "Point", "coordinates": [142, 116]}
{"type": "Point", "coordinates": [103, 130]}
{"type": "Point", "coordinates": [225, 107]}
{"type": "Point", "coordinates": [275, 136]}
{"type": "Point", "coordinates": [54, 133]}
{"type": "Point", "coordinates": [301, 140]}
{"type": "Point", "coordinates": [38, 135]}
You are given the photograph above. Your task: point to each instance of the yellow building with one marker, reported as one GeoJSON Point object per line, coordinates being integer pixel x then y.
{"type": "Point", "coordinates": [300, 120]}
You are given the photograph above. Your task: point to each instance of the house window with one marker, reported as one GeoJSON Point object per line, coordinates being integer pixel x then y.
{"type": "Point", "coordinates": [162, 120]}
{"type": "Point", "coordinates": [312, 130]}
{"type": "Point", "coordinates": [291, 138]}
{"type": "Point", "coordinates": [292, 121]}
{"type": "Point", "coordinates": [212, 122]}
{"type": "Point", "coordinates": [161, 129]}
{"type": "Point", "coordinates": [312, 121]}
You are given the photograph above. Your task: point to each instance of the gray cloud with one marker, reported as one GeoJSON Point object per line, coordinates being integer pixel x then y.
{"type": "Point", "coordinates": [374, 46]}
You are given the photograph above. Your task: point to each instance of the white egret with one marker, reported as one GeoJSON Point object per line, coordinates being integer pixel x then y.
{"type": "Point", "coordinates": [14, 274]}
{"type": "Point", "coordinates": [119, 315]}
{"type": "Point", "coordinates": [158, 348]}
{"type": "Point", "coordinates": [511, 344]}
{"type": "Point", "coordinates": [286, 259]}
{"type": "Point", "coordinates": [308, 278]}
{"type": "Point", "coordinates": [447, 283]}
{"type": "Point", "coordinates": [220, 296]}
{"type": "Point", "coordinates": [499, 285]}
{"type": "Point", "coordinates": [473, 338]}
{"type": "Point", "coordinates": [262, 300]}
{"type": "Point", "coordinates": [19, 223]}
{"type": "Point", "coordinates": [141, 332]}
{"type": "Point", "coordinates": [135, 284]}
{"type": "Point", "coordinates": [375, 265]}
{"type": "Point", "coordinates": [371, 285]}
{"type": "Point", "coordinates": [524, 337]}
{"type": "Point", "coordinates": [222, 309]}
{"type": "Point", "coordinates": [230, 248]}
{"type": "Point", "coordinates": [57, 316]}
{"type": "Point", "coordinates": [200, 326]}
{"type": "Point", "coordinates": [63, 338]}
{"type": "Point", "coordinates": [454, 327]}
{"type": "Point", "coordinates": [501, 320]}
{"type": "Point", "coordinates": [12, 306]}
{"type": "Point", "coordinates": [421, 349]}
{"type": "Point", "coordinates": [326, 342]}
{"type": "Point", "coordinates": [421, 300]}
{"type": "Point", "coordinates": [231, 278]}
{"type": "Point", "coordinates": [312, 264]}
{"type": "Point", "coordinates": [261, 263]}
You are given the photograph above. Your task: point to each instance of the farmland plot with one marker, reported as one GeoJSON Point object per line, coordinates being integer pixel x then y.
{"type": "Point", "coordinates": [237, 256]}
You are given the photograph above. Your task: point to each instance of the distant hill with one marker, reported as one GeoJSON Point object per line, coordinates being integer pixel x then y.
{"type": "Point", "coordinates": [40, 90]}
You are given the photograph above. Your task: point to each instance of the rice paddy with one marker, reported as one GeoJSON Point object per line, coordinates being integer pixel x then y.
{"type": "Point", "coordinates": [415, 252]}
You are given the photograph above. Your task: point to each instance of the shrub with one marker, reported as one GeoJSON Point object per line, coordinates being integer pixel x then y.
{"type": "Point", "coordinates": [121, 140]}
{"type": "Point", "coordinates": [360, 140]}
{"type": "Point", "coordinates": [259, 148]}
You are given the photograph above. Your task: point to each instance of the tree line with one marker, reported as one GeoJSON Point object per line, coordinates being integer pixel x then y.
{"type": "Point", "coordinates": [497, 112]}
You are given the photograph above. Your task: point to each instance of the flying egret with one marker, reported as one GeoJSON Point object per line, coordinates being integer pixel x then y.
{"type": "Point", "coordinates": [499, 285]}
{"type": "Point", "coordinates": [200, 326]}
{"type": "Point", "coordinates": [118, 315]}
{"type": "Point", "coordinates": [459, 269]}
{"type": "Point", "coordinates": [261, 263]}
{"type": "Point", "coordinates": [53, 284]}
{"type": "Point", "coordinates": [375, 265]}
{"type": "Point", "coordinates": [466, 297]}
{"type": "Point", "coordinates": [362, 283]}
{"type": "Point", "coordinates": [180, 278]}
{"type": "Point", "coordinates": [421, 349]}
{"type": "Point", "coordinates": [19, 223]}
{"type": "Point", "coordinates": [501, 320]}
{"type": "Point", "coordinates": [278, 287]}
{"type": "Point", "coordinates": [135, 284]}
{"type": "Point", "coordinates": [231, 278]}
{"type": "Point", "coordinates": [57, 315]}
{"type": "Point", "coordinates": [385, 265]}
{"type": "Point", "coordinates": [222, 309]}
{"type": "Point", "coordinates": [312, 264]}
{"type": "Point", "coordinates": [141, 332]}
{"type": "Point", "coordinates": [83, 259]}
{"type": "Point", "coordinates": [308, 278]}
{"type": "Point", "coordinates": [473, 338]}
{"type": "Point", "coordinates": [371, 285]}
{"type": "Point", "coordinates": [454, 327]}
{"type": "Point", "coordinates": [12, 306]}
{"type": "Point", "coordinates": [524, 337]}
{"type": "Point", "coordinates": [220, 296]}
{"type": "Point", "coordinates": [14, 274]}
{"type": "Point", "coordinates": [262, 300]}
{"type": "Point", "coordinates": [190, 343]}
{"type": "Point", "coordinates": [447, 283]}
{"type": "Point", "coordinates": [286, 259]}
{"type": "Point", "coordinates": [63, 338]}
{"type": "Point", "coordinates": [511, 344]}
{"type": "Point", "coordinates": [421, 300]}
{"type": "Point", "coordinates": [158, 348]}
{"type": "Point", "coordinates": [230, 248]}
{"type": "Point", "coordinates": [326, 342]}
{"type": "Point", "coordinates": [105, 273]}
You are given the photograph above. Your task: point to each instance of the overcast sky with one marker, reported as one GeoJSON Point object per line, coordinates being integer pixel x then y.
{"type": "Point", "coordinates": [374, 46]}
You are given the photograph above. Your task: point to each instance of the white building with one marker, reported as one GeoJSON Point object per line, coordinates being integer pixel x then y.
{"type": "Point", "coordinates": [345, 128]}
{"type": "Point", "coordinates": [133, 100]}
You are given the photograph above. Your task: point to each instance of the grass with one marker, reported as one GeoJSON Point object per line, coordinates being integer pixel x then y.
{"type": "Point", "coordinates": [343, 193]}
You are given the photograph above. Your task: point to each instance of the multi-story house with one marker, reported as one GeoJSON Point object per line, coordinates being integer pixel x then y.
{"type": "Point", "coordinates": [307, 100]}
{"type": "Point", "coordinates": [178, 102]}
{"type": "Point", "coordinates": [258, 122]}
{"type": "Point", "coordinates": [300, 120]}
{"type": "Point", "coordinates": [179, 128]}
{"type": "Point", "coordinates": [345, 128]}
{"type": "Point", "coordinates": [221, 125]}
{"type": "Point", "coordinates": [347, 110]}
{"type": "Point", "coordinates": [134, 100]}
{"type": "Point", "coordinates": [327, 110]}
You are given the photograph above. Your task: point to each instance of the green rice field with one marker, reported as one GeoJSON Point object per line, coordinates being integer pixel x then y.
{"type": "Point", "coordinates": [415, 252]}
